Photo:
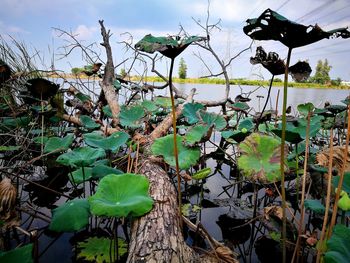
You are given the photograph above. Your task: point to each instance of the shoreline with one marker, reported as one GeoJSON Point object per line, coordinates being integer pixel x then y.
{"type": "Point", "coordinates": [217, 81]}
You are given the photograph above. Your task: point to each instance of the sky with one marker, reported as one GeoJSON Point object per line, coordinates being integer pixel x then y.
{"type": "Point", "coordinates": [35, 23]}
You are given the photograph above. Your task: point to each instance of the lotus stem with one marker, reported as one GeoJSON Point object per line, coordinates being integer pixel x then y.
{"type": "Point", "coordinates": [328, 198]}
{"type": "Point", "coordinates": [176, 153]}
{"type": "Point", "coordinates": [341, 179]}
{"type": "Point", "coordinates": [267, 98]}
{"type": "Point", "coordinates": [283, 142]}
{"type": "Point", "coordinates": [302, 210]}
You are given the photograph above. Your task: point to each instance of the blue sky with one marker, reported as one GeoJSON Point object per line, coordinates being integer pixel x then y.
{"type": "Point", "coordinates": [32, 21]}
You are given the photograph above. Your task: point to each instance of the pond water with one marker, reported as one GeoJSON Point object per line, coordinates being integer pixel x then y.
{"type": "Point", "coordinates": [57, 248]}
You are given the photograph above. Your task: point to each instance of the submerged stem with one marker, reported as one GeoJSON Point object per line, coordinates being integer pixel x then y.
{"type": "Point", "coordinates": [176, 153]}
{"type": "Point", "coordinates": [328, 198]}
{"type": "Point", "coordinates": [283, 142]}
{"type": "Point", "coordinates": [341, 179]}
{"type": "Point", "coordinates": [268, 97]}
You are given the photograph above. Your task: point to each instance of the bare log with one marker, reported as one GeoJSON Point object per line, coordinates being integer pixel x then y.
{"type": "Point", "coordinates": [108, 78]}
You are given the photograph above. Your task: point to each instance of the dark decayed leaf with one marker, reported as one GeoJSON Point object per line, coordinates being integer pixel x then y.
{"type": "Point", "coordinates": [270, 61]}
{"type": "Point", "coordinates": [300, 71]}
{"type": "Point", "coordinates": [169, 46]}
{"type": "Point", "coordinates": [272, 26]}
{"type": "Point", "coordinates": [41, 88]}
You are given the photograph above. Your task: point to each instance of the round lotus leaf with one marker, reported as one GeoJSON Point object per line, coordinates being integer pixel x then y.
{"type": "Point", "coordinates": [260, 158]}
{"type": "Point", "coordinates": [88, 122]}
{"type": "Point", "coordinates": [79, 176]}
{"type": "Point", "coordinates": [211, 118]}
{"type": "Point", "coordinates": [112, 142]}
{"type": "Point", "coordinates": [83, 156]}
{"type": "Point", "coordinates": [58, 144]}
{"type": "Point", "coordinates": [164, 146]}
{"type": "Point", "coordinates": [196, 133]}
{"type": "Point", "coordinates": [338, 245]}
{"type": "Point", "coordinates": [190, 111]}
{"type": "Point", "coordinates": [121, 195]}
{"type": "Point", "coordinates": [132, 117]}
{"type": "Point", "coordinates": [18, 255]}
{"type": "Point", "coordinates": [71, 216]}
{"type": "Point", "coordinates": [97, 249]}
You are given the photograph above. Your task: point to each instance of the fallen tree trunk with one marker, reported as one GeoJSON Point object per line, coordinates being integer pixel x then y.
{"type": "Point", "coordinates": [157, 237]}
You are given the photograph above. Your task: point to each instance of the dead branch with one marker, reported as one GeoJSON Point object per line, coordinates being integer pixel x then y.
{"type": "Point", "coordinates": [108, 78]}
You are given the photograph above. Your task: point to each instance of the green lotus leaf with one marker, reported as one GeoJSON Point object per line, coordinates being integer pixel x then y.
{"type": "Point", "coordinates": [202, 174]}
{"type": "Point", "coordinates": [117, 85]}
{"type": "Point", "coordinates": [164, 146]}
{"type": "Point", "coordinates": [149, 105]}
{"type": "Point", "coordinates": [344, 201]}
{"type": "Point", "coordinates": [121, 195]}
{"type": "Point", "coordinates": [89, 123]}
{"type": "Point", "coordinates": [346, 182]}
{"type": "Point", "coordinates": [305, 108]}
{"type": "Point", "coordinates": [260, 158]}
{"type": "Point", "coordinates": [164, 102]}
{"type": "Point", "coordinates": [107, 110]}
{"type": "Point", "coordinates": [71, 216]}
{"type": "Point", "coordinates": [291, 134]}
{"type": "Point", "coordinates": [132, 117]}
{"type": "Point", "coordinates": [99, 171]}
{"type": "Point", "coordinates": [83, 156]}
{"type": "Point", "coordinates": [270, 25]}
{"type": "Point", "coordinates": [18, 255]}
{"type": "Point", "coordinates": [196, 133]}
{"type": "Point", "coordinates": [82, 97]}
{"type": "Point", "coordinates": [211, 118]}
{"type": "Point", "coordinates": [190, 111]}
{"type": "Point", "coordinates": [315, 206]}
{"type": "Point", "coordinates": [168, 46]}
{"type": "Point", "coordinates": [112, 142]}
{"type": "Point", "coordinates": [338, 245]}
{"type": "Point", "coordinates": [240, 106]}
{"type": "Point", "coordinates": [79, 176]}
{"type": "Point", "coordinates": [40, 139]}
{"type": "Point", "coordinates": [246, 124]}
{"type": "Point", "coordinates": [58, 144]}
{"type": "Point", "coordinates": [97, 249]}
{"type": "Point", "coordinates": [7, 123]}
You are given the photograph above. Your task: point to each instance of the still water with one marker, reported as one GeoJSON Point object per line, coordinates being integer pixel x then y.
{"type": "Point", "coordinates": [61, 251]}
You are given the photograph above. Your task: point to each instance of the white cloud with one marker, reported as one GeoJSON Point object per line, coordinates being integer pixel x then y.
{"type": "Point", "coordinates": [84, 32]}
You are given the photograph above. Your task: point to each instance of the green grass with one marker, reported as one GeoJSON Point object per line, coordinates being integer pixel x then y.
{"type": "Point", "coordinates": [244, 82]}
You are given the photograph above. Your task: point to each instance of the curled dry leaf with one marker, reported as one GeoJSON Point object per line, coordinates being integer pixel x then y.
{"type": "Point", "coordinates": [338, 161]}
{"type": "Point", "coordinates": [273, 210]}
{"type": "Point", "coordinates": [226, 254]}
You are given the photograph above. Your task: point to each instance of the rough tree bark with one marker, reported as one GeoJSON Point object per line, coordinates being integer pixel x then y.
{"type": "Point", "coordinates": [157, 237]}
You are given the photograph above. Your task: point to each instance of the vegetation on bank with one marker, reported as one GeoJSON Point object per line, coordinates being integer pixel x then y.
{"type": "Point", "coordinates": [249, 82]}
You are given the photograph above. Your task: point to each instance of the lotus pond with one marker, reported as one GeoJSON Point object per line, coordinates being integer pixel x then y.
{"type": "Point", "coordinates": [119, 173]}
